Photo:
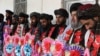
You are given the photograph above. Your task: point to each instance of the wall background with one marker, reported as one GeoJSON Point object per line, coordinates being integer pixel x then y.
{"type": "Point", "coordinates": [42, 6]}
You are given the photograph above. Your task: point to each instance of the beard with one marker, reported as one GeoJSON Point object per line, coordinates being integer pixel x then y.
{"type": "Point", "coordinates": [34, 24]}
{"type": "Point", "coordinates": [13, 23]}
{"type": "Point", "coordinates": [61, 23]}
{"type": "Point", "coordinates": [75, 24]}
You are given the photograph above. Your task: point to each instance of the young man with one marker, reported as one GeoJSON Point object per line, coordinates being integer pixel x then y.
{"type": "Point", "coordinates": [96, 49]}
{"type": "Point", "coordinates": [7, 27]}
{"type": "Point", "coordinates": [9, 17]}
{"type": "Point", "coordinates": [23, 25]}
{"type": "Point", "coordinates": [34, 17]}
{"type": "Point", "coordinates": [61, 16]}
{"type": "Point", "coordinates": [14, 24]}
{"type": "Point", "coordinates": [45, 28]}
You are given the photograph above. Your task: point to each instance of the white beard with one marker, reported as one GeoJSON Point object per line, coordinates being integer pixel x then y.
{"type": "Point", "coordinates": [75, 25]}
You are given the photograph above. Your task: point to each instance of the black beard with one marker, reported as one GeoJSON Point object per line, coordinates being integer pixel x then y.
{"type": "Point", "coordinates": [45, 27]}
{"type": "Point", "coordinates": [14, 23]}
{"type": "Point", "coordinates": [8, 18]}
{"type": "Point", "coordinates": [21, 22]}
{"type": "Point", "coordinates": [33, 24]}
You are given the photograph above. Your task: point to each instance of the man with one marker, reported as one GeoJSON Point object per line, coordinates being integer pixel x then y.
{"type": "Point", "coordinates": [74, 20]}
{"type": "Point", "coordinates": [96, 49]}
{"type": "Point", "coordinates": [14, 24]}
{"type": "Point", "coordinates": [23, 24]}
{"type": "Point", "coordinates": [2, 23]}
{"type": "Point", "coordinates": [9, 17]}
{"type": "Point", "coordinates": [45, 28]}
{"type": "Point", "coordinates": [73, 11]}
{"type": "Point", "coordinates": [7, 27]}
{"type": "Point", "coordinates": [61, 16]}
{"type": "Point", "coordinates": [34, 17]}
{"type": "Point", "coordinates": [85, 35]}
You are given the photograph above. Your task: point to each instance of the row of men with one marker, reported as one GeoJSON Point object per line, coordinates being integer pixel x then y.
{"type": "Point", "coordinates": [42, 27]}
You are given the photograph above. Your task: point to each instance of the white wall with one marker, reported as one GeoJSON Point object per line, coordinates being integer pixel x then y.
{"type": "Point", "coordinates": [34, 6]}
{"type": "Point", "coordinates": [6, 4]}
{"type": "Point", "coordinates": [50, 5]}
{"type": "Point", "coordinates": [43, 6]}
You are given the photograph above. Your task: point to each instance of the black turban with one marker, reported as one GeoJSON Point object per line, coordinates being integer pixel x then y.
{"type": "Point", "coordinates": [75, 6]}
{"type": "Point", "coordinates": [50, 17]}
{"type": "Point", "coordinates": [35, 14]}
{"type": "Point", "coordinates": [44, 16]}
{"type": "Point", "coordinates": [9, 12]}
{"type": "Point", "coordinates": [23, 15]}
{"type": "Point", "coordinates": [61, 12]}
{"type": "Point", "coordinates": [16, 17]}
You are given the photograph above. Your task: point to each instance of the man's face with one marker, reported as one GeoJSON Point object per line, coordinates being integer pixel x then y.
{"type": "Point", "coordinates": [21, 19]}
{"type": "Point", "coordinates": [74, 20]}
{"type": "Point", "coordinates": [43, 22]}
{"type": "Point", "coordinates": [59, 19]}
{"type": "Point", "coordinates": [7, 14]}
{"type": "Point", "coordinates": [33, 20]}
{"type": "Point", "coordinates": [89, 24]}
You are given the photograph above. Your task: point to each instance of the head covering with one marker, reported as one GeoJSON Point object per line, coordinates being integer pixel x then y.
{"type": "Point", "coordinates": [9, 12]}
{"type": "Point", "coordinates": [85, 12]}
{"type": "Point", "coordinates": [15, 16]}
{"type": "Point", "coordinates": [44, 16]}
{"type": "Point", "coordinates": [75, 6]}
{"type": "Point", "coordinates": [85, 7]}
{"type": "Point", "coordinates": [61, 12]}
{"type": "Point", "coordinates": [35, 14]}
{"type": "Point", "coordinates": [50, 17]}
{"type": "Point", "coordinates": [23, 15]}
